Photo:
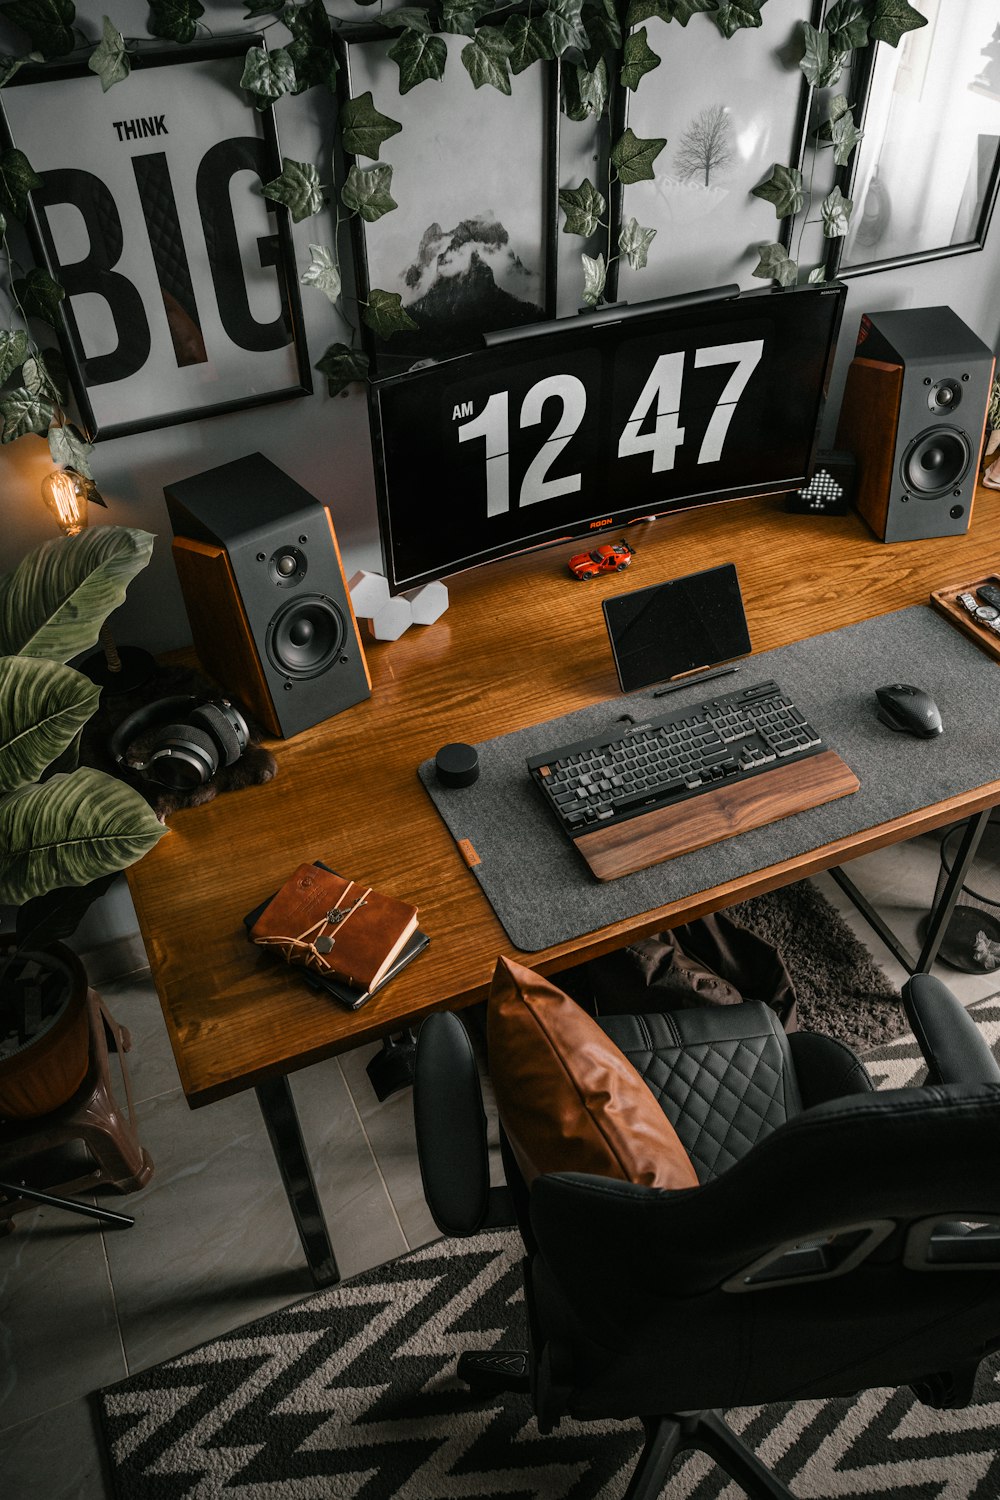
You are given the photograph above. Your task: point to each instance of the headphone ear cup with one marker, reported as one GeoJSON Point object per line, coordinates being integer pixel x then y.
{"type": "Point", "coordinates": [182, 756]}
{"type": "Point", "coordinates": [212, 718]}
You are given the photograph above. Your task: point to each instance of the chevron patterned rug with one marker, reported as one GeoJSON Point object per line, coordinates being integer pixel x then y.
{"type": "Point", "coordinates": [352, 1393]}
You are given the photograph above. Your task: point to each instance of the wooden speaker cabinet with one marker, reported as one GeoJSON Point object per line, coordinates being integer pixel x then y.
{"type": "Point", "coordinates": [265, 593]}
{"type": "Point", "coordinates": [913, 415]}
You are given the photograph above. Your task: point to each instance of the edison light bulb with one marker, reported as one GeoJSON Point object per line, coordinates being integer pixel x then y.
{"type": "Point", "coordinates": [65, 494]}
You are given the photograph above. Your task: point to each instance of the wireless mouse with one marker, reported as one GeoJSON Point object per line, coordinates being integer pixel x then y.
{"type": "Point", "coordinates": [909, 710]}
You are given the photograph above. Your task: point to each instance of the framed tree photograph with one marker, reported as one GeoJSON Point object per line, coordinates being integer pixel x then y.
{"type": "Point", "coordinates": [722, 111]}
{"type": "Point", "coordinates": [181, 296]}
{"type": "Point", "coordinates": [452, 225]}
{"type": "Point", "coordinates": [927, 167]}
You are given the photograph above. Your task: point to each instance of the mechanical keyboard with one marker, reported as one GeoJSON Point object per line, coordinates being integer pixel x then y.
{"type": "Point", "coordinates": [725, 740]}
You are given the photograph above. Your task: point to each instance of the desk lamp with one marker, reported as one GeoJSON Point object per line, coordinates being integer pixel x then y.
{"type": "Point", "coordinates": [115, 670]}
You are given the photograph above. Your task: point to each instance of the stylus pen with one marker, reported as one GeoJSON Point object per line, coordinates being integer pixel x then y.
{"type": "Point", "coordinates": [675, 687]}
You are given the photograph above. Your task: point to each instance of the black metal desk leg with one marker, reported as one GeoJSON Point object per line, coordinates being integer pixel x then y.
{"type": "Point", "coordinates": [937, 925]}
{"type": "Point", "coordinates": [278, 1108]}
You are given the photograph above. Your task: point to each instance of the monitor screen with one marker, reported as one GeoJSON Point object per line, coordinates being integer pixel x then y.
{"type": "Point", "coordinates": [679, 626]}
{"type": "Point", "coordinates": [592, 422]}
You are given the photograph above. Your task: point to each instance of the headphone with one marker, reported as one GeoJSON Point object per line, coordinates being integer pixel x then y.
{"type": "Point", "coordinates": [193, 738]}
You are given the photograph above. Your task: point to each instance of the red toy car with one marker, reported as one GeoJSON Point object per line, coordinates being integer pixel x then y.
{"type": "Point", "coordinates": [609, 557]}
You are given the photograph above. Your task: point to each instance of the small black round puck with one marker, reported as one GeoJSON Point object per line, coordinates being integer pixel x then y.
{"type": "Point", "coordinates": [457, 765]}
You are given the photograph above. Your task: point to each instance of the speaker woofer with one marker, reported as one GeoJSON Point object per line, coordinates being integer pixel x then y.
{"type": "Point", "coordinates": [936, 461]}
{"type": "Point", "coordinates": [305, 636]}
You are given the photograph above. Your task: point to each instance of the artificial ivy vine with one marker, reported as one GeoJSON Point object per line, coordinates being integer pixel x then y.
{"type": "Point", "coordinates": [602, 44]}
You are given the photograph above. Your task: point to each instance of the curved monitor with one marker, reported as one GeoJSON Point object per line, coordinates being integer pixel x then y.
{"type": "Point", "coordinates": [585, 424]}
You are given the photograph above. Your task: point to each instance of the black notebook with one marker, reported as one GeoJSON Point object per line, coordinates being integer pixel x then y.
{"type": "Point", "coordinates": [344, 994]}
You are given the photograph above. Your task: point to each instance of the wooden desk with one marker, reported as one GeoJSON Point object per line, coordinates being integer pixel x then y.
{"type": "Point", "coordinates": [521, 642]}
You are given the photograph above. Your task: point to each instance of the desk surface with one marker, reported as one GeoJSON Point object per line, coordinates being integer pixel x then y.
{"type": "Point", "coordinates": [521, 642]}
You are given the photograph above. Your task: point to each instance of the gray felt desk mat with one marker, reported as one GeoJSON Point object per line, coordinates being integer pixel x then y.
{"type": "Point", "coordinates": [541, 889]}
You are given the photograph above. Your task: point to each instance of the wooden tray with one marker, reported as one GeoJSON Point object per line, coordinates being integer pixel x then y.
{"type": "Point", "coordinates": [944, 600]}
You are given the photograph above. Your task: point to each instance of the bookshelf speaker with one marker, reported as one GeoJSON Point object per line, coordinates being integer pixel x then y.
{"type": "Point", "coordinates": [265, 593]}
{"type": "Point", "coordinates": [913, 415]}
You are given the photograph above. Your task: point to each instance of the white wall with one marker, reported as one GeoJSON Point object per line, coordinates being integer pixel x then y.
{"type": "Point", "coordinates": [323, 443]}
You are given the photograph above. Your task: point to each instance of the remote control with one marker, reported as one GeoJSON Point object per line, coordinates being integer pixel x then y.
{"type": "Point", "coordinates": [989, 593]}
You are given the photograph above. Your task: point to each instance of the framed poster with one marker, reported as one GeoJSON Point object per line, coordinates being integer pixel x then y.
{"type": "Point", "coordinates": [926, 171]}
{"type": "Point", "coordinates": [730, 108]}
{"type": "Point", "coordinates": [181, 293]}
{"type": "Point", "coordinates": [470, 246]}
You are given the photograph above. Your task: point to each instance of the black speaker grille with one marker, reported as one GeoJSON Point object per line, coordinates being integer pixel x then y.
{"type": "Point", "coordinates": [936, 461]}
{"type": "Point", "coordinates": [305, 636]}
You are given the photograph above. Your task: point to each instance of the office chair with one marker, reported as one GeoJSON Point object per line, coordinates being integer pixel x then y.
{"type": "Point", "coordinates": [839, 1238]}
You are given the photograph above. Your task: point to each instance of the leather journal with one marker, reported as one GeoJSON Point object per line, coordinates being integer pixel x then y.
{"type": "Point", "coordinates": [336, 927]}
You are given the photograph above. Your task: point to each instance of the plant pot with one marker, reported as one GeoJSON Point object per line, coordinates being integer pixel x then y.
{"type": "Point", "coordinates": [44, 1035]}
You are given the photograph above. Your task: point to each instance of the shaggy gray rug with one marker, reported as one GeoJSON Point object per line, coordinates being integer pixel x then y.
{"type": "Point", "coordinates": [839, 987]}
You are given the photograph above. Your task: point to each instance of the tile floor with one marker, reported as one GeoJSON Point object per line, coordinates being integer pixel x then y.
{"type": "Point", "coordinates": [213, 1244]}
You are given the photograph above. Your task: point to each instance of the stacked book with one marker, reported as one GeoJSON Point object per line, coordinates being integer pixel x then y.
{"type": "Point", "coordinates": [348, 939]}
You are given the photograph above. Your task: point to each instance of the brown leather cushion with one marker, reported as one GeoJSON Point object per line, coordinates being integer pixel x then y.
{"type": "Point", "coordinates": [569, 1099]}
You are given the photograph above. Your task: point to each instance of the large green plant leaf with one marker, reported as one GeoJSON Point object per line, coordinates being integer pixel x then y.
{"type": "Point", "coordinates": [58, 597]}
{"type": "Point", "coordinates": [43, 706]}
{"type": "Point", "coordinates": [70, 830]}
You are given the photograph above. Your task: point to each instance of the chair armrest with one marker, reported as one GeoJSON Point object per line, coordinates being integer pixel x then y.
{"type": "Point", "coordinates": [951, 1042]}
{"type": "Point", "coordinates": [451, 1129]}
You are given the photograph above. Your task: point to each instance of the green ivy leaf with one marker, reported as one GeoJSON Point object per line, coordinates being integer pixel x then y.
{"type": "Point", "coordinates": [562, 26]}
{"type": "Point", "coordinates": [418, 59]}
{"type": "Point", "coordinates": [633, 157]}
{"type": "Point", "coordinates": [385, 315]}
{"type": "Point", "coordinates": [817, 276]}
{"type": "Point", "coordinates": [847, 24]}
{"type": "Point", "coordinates": [634, 243]}
{"type": "Point", "coordinates": [49, 24]}
{"type": "Point", "coordinates": [835, 211]}
{"type": "Point", "coordinates": [364, 130]}
{"type": "Point", "coordinates": [646, 10]}
{"type": "Point", "coordinates": [366, 192]}
{"type": "Point", "coordinates": [683, 10]}
{"type": "Point", "coordinates": [13, 351]}
{"type": "Point", "coordinates": [313, 65]}
{"type": "Point", "coordinates": [595, 274]}
{"type": "Point", "coordinates": [775, 264]}
{"type": "Point", "coordinates": [69, 449]}
{"type": "Point", "coordinates": [638, 59]}
{"type": "Point", "coordinates": [32, 376]}
{"type": "Point", "coordinates": [298, 188]}
{"type": "Point", "coordinates": [485, 59]}
{"type": "Point", "coordinates": [308, 23]}
{"type": "Point", "coordinates": [410, 17]}
{"type": "Point", "coordinates": [583, 207]}
{"type": "Point", "coordinates": [892, 20]}
{"type": "Point", "coordinates": [341, 365]}
{"type": "Point", "coordinates": [527, 44]}
{"type": "Point", "coordinates": [584, 92]}
{"type": "Point", "coordinates": [600, 18]}
{"type": "Point", "coordinates": [109, 59]}
{"type": "Point", "coordinates": [174, 20]}
{"type": "Point", "coordinates": [23, 411]}
{"type": "Point", "coordinates": [260, 8]}
{"type": "Point", "coordinates": [268, 75]}
{"type": "Point", "coordinates": [17, 180]}
{"type": "Point", "coordinates": [462, 16]}
{"type": "Point", "coordinates": [821, 65]}
{"type": "Point", "coordinates": [839, 131]}
{"type": "Point", "coordinates": [783, 188]}
{"type": "Point", "coordinates": [10, 65]}
{"type": "Point", "coordinates": [40, 295]}
{"type": "Point", "coordinates": [735, 15]}
{"type": "Point", "coordinates": [322, 272]}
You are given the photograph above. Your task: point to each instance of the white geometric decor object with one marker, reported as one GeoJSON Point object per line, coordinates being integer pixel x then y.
{"type": "Point", "coordinates": [428, 603]}
{"type": "Point", "coordinates": [369, 593]}
{"type": "Point", "coordinates": [389, 622]}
